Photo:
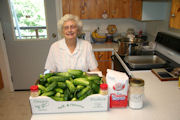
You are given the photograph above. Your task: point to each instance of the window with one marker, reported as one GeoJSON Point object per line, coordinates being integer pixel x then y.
{"type": "Point", "coordinates": [29, 19]}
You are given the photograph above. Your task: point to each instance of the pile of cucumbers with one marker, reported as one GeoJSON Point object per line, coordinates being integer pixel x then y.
{"type": "Point", "coordinates": [72, 85]}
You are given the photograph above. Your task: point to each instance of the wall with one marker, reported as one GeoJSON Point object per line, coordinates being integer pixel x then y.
{"type": "Point", "coordinates": [122, 24]}
{"type": "Point", "coordinates": [152, 27]}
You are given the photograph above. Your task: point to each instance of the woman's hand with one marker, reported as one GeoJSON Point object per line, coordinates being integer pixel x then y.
{"type": "Point", "coordinates": [97, 69]}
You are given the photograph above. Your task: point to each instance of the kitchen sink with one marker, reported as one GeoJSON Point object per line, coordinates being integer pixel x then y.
{"type": "Point", "coordinates": [145, 61]}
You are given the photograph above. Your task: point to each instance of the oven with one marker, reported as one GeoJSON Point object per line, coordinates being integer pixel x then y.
{"type": "Point", "coordinates": [167, 48]}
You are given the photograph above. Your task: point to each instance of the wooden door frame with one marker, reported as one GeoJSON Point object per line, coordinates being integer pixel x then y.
{"type": "Point", "coordinates": [5, 69]}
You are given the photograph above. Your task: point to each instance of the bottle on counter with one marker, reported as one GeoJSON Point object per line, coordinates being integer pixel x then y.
{"type": "Point", "coordinates": [136, 93]}
{"type": "Point", "coordinates": [103, 89]}
{"type": "Point", "coordinates": [34, 91]}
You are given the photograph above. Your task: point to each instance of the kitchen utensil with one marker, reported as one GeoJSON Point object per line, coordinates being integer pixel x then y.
{"type": "Point", "coordinates": [129, 46]}
{"type": "Point", "coordinates": [145, 61]}
{"type": "Point", "coordinates": [164, 75]}
{"type": "Point", "coordinates": [109, 37]}
{"type": "Point", "coordinates": [111, 29]}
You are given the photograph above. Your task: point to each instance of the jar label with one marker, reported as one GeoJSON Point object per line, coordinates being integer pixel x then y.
{"type": "Point", "coordinates": [136, 101]}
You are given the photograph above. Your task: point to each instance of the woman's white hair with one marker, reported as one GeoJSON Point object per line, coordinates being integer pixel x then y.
{"type": "Point", "coordinates": [68, 17]}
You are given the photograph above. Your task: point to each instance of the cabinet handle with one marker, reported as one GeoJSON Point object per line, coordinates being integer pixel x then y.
{"type": "Point", "coordinates": [173, 15]}
{"type": "Point", "coordinates": [105, 15]}
{"type": "Point", "coordinates": [100, 56]}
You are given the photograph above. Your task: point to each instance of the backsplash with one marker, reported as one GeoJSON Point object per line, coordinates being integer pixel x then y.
{"type": "Point", "coordinates": [121, 24]}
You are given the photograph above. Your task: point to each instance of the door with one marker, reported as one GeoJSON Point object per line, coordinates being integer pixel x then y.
{"type": "Point", "coordinates": [27, 57]}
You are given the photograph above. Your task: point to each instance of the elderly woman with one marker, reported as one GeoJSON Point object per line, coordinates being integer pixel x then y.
{"type": "Point", "coordinates": [70, 52]}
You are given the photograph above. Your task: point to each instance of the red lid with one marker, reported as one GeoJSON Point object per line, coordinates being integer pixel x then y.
{"type": "Point", "coordinates": [34, 87]}
{"type": "Point", "coordinates": [104, 86]}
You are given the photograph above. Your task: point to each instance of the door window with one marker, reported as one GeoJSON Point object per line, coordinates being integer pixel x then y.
{"type": "Point", "coordinates": [29, 19]}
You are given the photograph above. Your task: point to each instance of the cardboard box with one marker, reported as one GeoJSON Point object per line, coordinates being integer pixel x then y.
{"type": "Point", "coordinates": [43, 104]}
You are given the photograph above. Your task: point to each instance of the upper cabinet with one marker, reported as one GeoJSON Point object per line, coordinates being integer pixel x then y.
{"type": "Point", "coordinates": [86, 9]}
{"type": "Point", "coordinates": [92, 9]}
{"type": "Point", "coordinates": [137, 9]}
{"type": "Point", "coordinates": [149, 9]}
{"type": "Point", "coordinates": [119, 8]}
{"type": "Point", "coordinates": [175, 14]}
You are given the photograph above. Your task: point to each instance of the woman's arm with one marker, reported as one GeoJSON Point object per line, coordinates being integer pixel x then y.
{"type": "Point", "coordinates": [97, 69]}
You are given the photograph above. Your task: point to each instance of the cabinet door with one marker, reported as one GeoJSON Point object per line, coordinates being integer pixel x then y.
{"type": "Point", "coordinates": [136, 9]}
{"type": "Point", "coordinates": [119, 8]}
{"type": "Point", "coordinates": [104, 60]}
{"type": "Point", "coordinates": [72, 7]}
{"type": "Point", "coordinates": [102, 7]}
{"type": "Point", "coordinates": [175, 14]}
{"type": "Point", "coordinates": [76, 7]}
{"type": "Point", "coordinates": [86, 9]}
{"type": "Point", "coordinates": [66, 6]}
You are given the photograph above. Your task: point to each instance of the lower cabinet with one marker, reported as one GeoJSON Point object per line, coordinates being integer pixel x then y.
{"type": "Point", "coordinates": [104, 60]}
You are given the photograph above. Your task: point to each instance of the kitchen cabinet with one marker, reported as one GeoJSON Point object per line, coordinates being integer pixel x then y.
{"type": "Point", "coordinates": [104, 60]}
{"type": "Point", "coordinates": [119, 8]}
{"type": "Point", "coordinates": [94, 9]}
{"type": "Point", "coordinates": [85, 9]}
{"type": "Point", "coordinates": [175, 14]}
{"type": "Point", "coordinates": [149, 10]}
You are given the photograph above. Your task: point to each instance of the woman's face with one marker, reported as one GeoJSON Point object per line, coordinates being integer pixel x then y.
{"type": "Point", "coordinates": [70, 30]}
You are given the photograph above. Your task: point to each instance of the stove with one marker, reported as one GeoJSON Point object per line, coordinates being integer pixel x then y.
{"type": "Point", "coordinates": [167, 48]}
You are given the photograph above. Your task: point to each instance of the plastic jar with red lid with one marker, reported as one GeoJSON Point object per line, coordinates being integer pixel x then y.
{"type": "Point", "coordinates": [103, 89]}
{"type": "Point", "coordinates": [34, 91]}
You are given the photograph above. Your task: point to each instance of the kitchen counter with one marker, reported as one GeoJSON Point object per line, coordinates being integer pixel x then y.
{"type": "Point", "coordinates": [161, 102]}
{"type": "Point", "coordinates": [105, 46]}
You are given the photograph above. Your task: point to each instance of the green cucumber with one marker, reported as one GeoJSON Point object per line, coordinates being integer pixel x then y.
{"type": "Point", "coordinates": [62, 85]}
{"type": "Point", "coordinates": [59, 90]}
{"type": "Point", "coordinates": [81, 81]}
{"type": "Point", "coordinates": [79, 87]}
{"type": "Point", "coordinates": [51, 86]}
{"type": "Point", "coordinates": [83, 91]}
{"type": "Point", "coordinates": [57, 79]}
{"type": "Point", "coordinates": [57, 98]}
{"type": "Point", "coordinates": [50, 93]}
{"type": "Point", "coordinates": [75, 73]}
{"type": "Point", "coordinates": [41, 87]}
{"type": "Point", "coordinates": [71, 86]}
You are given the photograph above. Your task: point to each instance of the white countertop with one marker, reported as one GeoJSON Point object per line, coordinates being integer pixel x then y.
{"type": "Point", "coordinates": [105, 46]}
{"type": "Point", "coordinates": [161, 102]}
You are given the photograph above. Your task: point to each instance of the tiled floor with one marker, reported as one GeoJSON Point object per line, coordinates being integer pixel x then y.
{"type": "Point", "coordinates": [15, 105]}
